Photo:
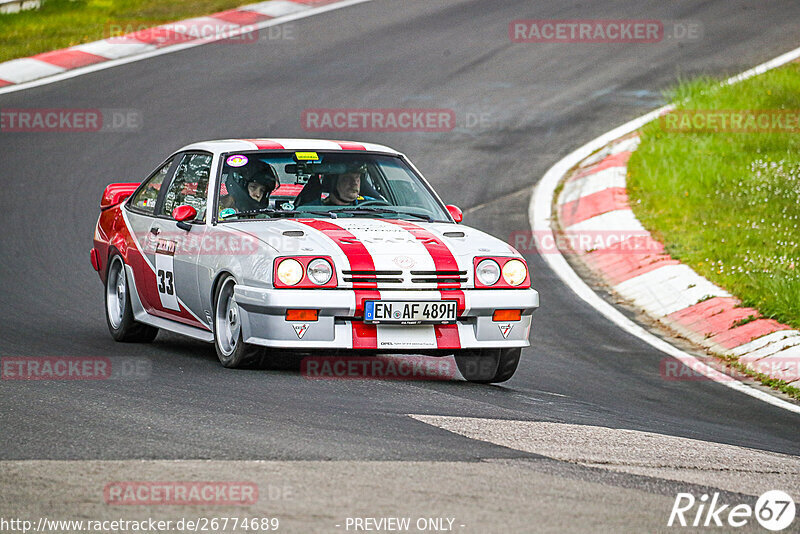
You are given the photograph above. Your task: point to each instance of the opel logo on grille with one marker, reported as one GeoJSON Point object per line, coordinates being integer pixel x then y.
{"type": "Point", "coordinates": [404, 261]}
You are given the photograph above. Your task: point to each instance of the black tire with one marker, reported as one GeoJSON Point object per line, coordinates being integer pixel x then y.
{"type": "Point", "coordinates": [232, 351]}
{"type": "Point", "coordinates": [119, 312]}
{"type": "Point", "coordinates": [488, 366]}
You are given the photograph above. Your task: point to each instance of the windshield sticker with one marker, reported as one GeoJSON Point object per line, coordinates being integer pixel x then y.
{"type": "Point", "coordinates": [237, 161]}
{"type": "Point", "coordinates": [226, 212]}
{"type": "Point", "coordinates": [306, 156]}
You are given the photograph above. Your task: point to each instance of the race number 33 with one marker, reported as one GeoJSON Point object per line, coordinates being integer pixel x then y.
{"type": "Point", "coordinates": [165, 275]}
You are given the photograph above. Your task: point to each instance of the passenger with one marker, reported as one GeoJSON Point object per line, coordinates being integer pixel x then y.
{"type": "Point", "coordinates": [253, 191]}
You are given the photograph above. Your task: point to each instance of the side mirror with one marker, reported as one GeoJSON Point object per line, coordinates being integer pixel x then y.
{"type": "Point", "coordinates": [117, 193]}
{"type": "Point", "coordinates": [182, 214]}
{"type": "Point", "coordinates": [455, 213]}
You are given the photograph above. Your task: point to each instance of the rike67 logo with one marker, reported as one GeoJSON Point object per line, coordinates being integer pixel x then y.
{"type": "Point", "coordinates": [774, 510]}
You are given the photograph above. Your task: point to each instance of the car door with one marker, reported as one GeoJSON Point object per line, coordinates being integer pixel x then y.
{"type": "Point", "coordinates": [176, 250]}
{"type": "Point", "coordinates": [140, 213]}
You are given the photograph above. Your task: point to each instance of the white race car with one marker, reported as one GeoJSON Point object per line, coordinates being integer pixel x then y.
{"type": "Point", "coordinates": [261, 246]}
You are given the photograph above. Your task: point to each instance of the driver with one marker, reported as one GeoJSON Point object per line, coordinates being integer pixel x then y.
{"type": "Point", "coordinates": [346, 191]}
{"type": "Point", "coordinates": [253, 191]}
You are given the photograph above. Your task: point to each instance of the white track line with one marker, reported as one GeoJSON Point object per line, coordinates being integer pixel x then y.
{"type": "Point", "coordinates": [540, 214]}
{"type": "Point", "coordinates": [183, 46]}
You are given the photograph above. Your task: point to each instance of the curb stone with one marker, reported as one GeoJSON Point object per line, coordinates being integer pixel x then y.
{"type": "Point", "coordinates": [229, 23]}
{"type": "Point", "coordinates": [592, 207]}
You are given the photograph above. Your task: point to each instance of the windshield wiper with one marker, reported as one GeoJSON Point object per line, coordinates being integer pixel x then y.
{"type": "Point", "coordinates": [272, 212]}
{"type": "Point", "coordinates": [355, 210]}
{"type": "Point", "coordinates": [369, 210]}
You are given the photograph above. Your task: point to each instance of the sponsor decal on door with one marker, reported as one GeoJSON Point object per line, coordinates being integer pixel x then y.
{"type": "Point", "coordinates": [165, 274]}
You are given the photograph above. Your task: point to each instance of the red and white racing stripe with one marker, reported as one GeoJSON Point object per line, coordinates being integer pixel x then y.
{"type": "Point", "coordinates": [365, 336]}
{"type": "Point", "coordinates": [303, 144]}
{"type": "Point", "coordinates": [349, 145]}
{"type": "Point", "coordinates": [266, 144]}
{"type": "Point", "coordinates": [446, 335]}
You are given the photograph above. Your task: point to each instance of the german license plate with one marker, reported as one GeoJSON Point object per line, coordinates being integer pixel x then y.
{"type": "Point", "coordinates": [410, 312]}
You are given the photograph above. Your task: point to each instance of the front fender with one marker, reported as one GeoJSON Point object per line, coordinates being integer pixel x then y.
{"type": "Point", "coordinates": [246, 258]}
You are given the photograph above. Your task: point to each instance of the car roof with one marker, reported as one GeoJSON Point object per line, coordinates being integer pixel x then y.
{"type": "Point", "coordinates": [234, 145]}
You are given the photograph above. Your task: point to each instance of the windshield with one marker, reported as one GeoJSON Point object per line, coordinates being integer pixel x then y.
{"type": "Point", "coordinates": [255, 185]}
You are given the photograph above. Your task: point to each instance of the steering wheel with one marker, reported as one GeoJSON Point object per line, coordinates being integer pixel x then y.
{"type": "Point", "coordinates": [375, 202]}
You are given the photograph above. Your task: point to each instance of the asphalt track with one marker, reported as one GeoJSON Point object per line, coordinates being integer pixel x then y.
{"type": "Point", "coordinates": [538, 101]}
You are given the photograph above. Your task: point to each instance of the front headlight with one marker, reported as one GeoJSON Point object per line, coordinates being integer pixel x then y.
{"type": "Point", "coordinates": [488, 272]}
{"type": "Point", "coordinates": [514, 272]}
{"type": "Point", "coordinates": [290, 272]}
{"type": "Point", "coordinates": [319, 271]}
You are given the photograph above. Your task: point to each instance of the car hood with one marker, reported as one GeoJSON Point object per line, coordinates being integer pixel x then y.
{"type": "Point", "coordinates": [380, 244]}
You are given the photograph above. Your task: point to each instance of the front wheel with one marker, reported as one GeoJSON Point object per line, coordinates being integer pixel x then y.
{"type": "Point", "coordinates": [488, 366]}
{"type": "Point", "coordinates": [119, 315]}
{"type": "Point", "coordinates": [232, 351]}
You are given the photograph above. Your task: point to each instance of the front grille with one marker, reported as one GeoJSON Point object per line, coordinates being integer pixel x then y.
{"type": "Point", "coordinates": [374, 273]}
{"type": "Point", "coordinates": [380, 277]}
{"type": "Point", "coordinates": [439, 277]}
{"type": "Point", "coordinates": [362, 279]}
{"type": "Point", "coordinates": [449, 278]}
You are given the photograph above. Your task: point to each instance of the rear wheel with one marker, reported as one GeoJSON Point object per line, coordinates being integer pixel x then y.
{"type": "Point", "coordinates": [119, 314]}
{"type": "Point", "coordinates": [232, 351]}
{"type": "Point", "coordinates": [488, 366]}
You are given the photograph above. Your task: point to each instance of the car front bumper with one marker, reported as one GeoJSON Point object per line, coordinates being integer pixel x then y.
{"type": "Point", "coordinates": [340, 325]}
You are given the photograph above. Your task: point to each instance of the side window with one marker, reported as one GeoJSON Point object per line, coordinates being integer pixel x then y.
{"type": "Point", "coordinates": [190, 185]}
{"type": "Point", "coordinates": [145, 199]}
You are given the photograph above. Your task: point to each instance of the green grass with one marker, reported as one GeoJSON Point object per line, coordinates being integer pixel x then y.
{"type": "Point", "coordinates": [773, 383]}
{"type": "Point", "coordinates": [728, 204]}
{"type": "Point", "coordinates": [62, 23]}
